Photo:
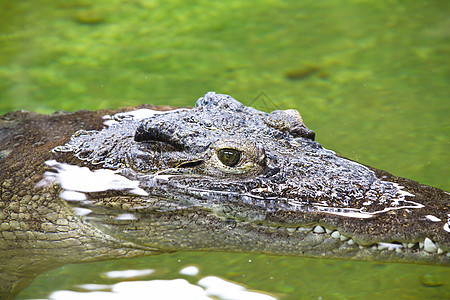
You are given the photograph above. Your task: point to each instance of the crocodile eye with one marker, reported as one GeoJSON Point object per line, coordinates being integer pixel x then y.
{"type": "Point", "coordinates": [229, 157]}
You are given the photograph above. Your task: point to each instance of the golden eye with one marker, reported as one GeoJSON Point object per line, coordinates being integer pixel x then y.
{"type": "Point", "coordinates": [229, 157]}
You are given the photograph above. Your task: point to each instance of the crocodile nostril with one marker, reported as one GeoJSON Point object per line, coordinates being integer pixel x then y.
{"type": "Point", "coordinates": [289, 121]}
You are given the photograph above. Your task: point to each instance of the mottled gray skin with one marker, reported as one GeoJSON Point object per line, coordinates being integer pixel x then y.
{"type": "Point", "coordinates": [286, 195]}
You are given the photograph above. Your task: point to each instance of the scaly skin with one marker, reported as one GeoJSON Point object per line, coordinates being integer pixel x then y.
{"type": "Point", "coordinates": [283, 194]}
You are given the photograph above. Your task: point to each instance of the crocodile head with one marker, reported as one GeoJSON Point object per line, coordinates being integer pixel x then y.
{"type": "Point", "coordinates": [225, 177]}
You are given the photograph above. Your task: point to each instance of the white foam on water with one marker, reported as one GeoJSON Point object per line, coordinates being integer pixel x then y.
{"type": "Point", "coordinates": [129, 273]}
{"type": "Point", "coordinates": [138, 114]}
{"type": "Point", "coordinates": [94, 287]}
{"type": "Point", "coordinates": [190, 271]}
{"type": "Point", "coordinates": [139, 290]}
{"type": "Point", "coordinates": [349, 213]}
{"type": "Point", "coordinates": [80, 211]}
{"type": "Point", "coordinates": [126, 217]}
{"type": "Point", "coordinates": [355, 213]}
{"type": "Point", "coordinates": [401, 191]}
{"type": "Point", "coordinates": [359, 214]}
{"type": "Point", "coordinates": [73, 196]}
{"type": "Point", "coordinates": [81, 179]}
{"type": "Point", "coordinates": [174, 289]}
{"type": "Point", "coordinates": [223, 289]}
{"type": "Point", "coordinates": [77, 180]}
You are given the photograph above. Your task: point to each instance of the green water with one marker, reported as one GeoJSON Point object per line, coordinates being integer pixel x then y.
{"type": "Point", "coordinates": [370, 77]}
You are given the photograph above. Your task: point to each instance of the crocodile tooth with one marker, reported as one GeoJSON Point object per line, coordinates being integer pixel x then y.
{"type": "Point", "coordinates": [389, 246]}
{"type": "Point", "coordinates": [335, 234]}
{"type": "Point", "coordinates": [421, 245]}
{"type": "Point", "coordinates": [328, 230]}
{"type": "Point", "coordinates": [291, 229]}
{"type": "Point", "coordinates": [440, 251]}
{"type": "Point", "coordinates": [429, 246]}
{"type": "Point", "coordinates": [361, 247]}
{"type": "Point", "coordinates": [405, 245]}
{"type": "Point", "coordinates": [381, 246]}
{"type": "Point", "coordinates": [306, 229]}
{"type": "Point", "coordinates": [398, 250]}
{"type": "Point", "coordinates": [410, 245]}
{"type": "Point", "coordinates": [344, 238]}
{"type": "Point", "coordinates": [351, 242]}
{"type": "Point", "coordinates": [319, 229]}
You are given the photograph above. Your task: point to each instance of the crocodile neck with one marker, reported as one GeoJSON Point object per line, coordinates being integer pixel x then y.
{"type": "Point", "coordinates": [39, 231]}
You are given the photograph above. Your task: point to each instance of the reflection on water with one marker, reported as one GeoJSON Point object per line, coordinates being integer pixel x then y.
{"type": "Point", "coordinates": [173, 289]}
{"type": "Point", "coordinates": [286, 278]}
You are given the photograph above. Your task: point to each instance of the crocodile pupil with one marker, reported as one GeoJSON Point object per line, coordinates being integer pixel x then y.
{"type": "Point", "coordinates": [229, 157]}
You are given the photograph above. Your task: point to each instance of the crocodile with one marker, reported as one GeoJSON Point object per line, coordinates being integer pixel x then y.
{"type": "Point", "coordinates": [95, 185]}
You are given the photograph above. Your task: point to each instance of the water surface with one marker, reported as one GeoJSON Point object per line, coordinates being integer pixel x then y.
{"type": "Point", "coordinates": [370, 77]}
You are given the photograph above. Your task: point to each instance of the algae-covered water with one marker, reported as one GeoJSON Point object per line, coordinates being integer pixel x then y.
{"type": "Point", "coordinates": [370, 77]}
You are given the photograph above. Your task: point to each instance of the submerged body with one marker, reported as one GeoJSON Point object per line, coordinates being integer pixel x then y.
{"type": "Point", "coordinates": [218, 177]}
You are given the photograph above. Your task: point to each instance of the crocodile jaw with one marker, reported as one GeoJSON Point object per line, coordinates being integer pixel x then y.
{"type": "Point", "coordinates": [181, 224]}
